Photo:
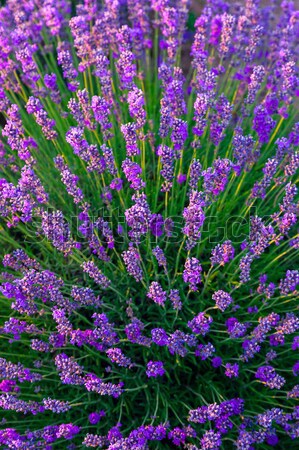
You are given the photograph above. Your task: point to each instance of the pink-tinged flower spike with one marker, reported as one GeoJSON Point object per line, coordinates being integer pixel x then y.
{"type": "Point", "coordinates": [216, 177]}
{"type": "Point", "coordinates": [104, 331]}
{"type": "Point", "coordinates": [195, 172]}
{"type": "Point", "coordinates": [40, 346]}
{"type": "Point", "coordinates": [201, 106]}
{"type": "Point", "coordinates": [220, 119]}
{"type": "Point", "coordinates": [132, 261]}
{"type": "Point", "coordinates": [222, 300]}
{"type": "Point", "coordinates": [109, 159]}
{"type": "Point", "coordinates": [175, 299]}
{"type": "Point", "coordinates": [94, 272]}
{"type": "Point", "coordinates": [14, 131]}
{"type": "Point", "coordinates": [50, 81]}
{"type": "Point", "coordinates": [20, 261]}
{"type": "Point", "coordinates": [289, 283]}
{"type": "Point", "coordinates": [179, 135]}
{"type": "Point", "coordinates": [260, 236]}
{"type": "Point", "coordinates": [124, 38]}
{"type": "Point", "coordinates": [133, 174]}
{"type": "Point", "coordinates": [126, 68]}
{"type": "Point", "coordinates": [95, 384]}
{"type": "Point", "coordinates": [192, 273]}
{"type": "Point", "coordinates": [294, 393]}
{"type": "Point", "coordinates": [290, 80]}
{"type": "Point", "coordinates": [55, 227]}
{"type": "Point", "coordinates": [288, 205]}
{"type": "Point", "coordinates": [21, 200]}
{"type": "Point", "coordinates": [54, 15]}
{"type": "Point", "coordinates": [159, 336]}
{"type": "Point", "coordinates": [134, 333]}
{"type": "Point", "coordinates": [141, 28]}
{"type": "Point", "coordinates": [10, 402]}
{"type": "Point", "coordinates": [245, 267]}
{"type": "Point", "coordinates": [177, 342]}
{"type": "Point", "coordinates": [138, 217]}
{"type": "Point", "coordinates": [160, 256]}
{"type": "Point", "coordinates": [268, 376]}
{"type": "Point", "coordinates": [63, 324]}
{"type": "Point", "coordinates": [198, 51]}
{"type": "Point", "coordinates": [286, 221]}
{"type": "Point", "coordinates": [256, 35]}
{"type": "Point", "coordinates": [84, 102]}
{"type": "Point", "coordinates": [263, 124]}
{"type": "Point", "coordinates": [129, 132]}
{"type": "Point", "coordinates": [235, 328]}
{"type": "Point", "coordinates": [217, 412]}
{"type": "Point", "coordinates": [94, 440]}
{"type": "Point", "coordinates": [156, 225]}
{"type": "Point", "coordinates": [4, 101]}
{"type": "Point", "coordinates": [65, 60]}
{"type": "Point", "coordinates": [69, 179]}
{"type": "Point", "coordinates": [292, 166]}
{"type": "Point", "coordinates": [101, 111]}
{"type": "Point", "coordinates": [222, 253]}
{"type": "Point", "coordinates": [80, 29]}
{"type": "Point", "coordinates": [231, 370]}
{"type": "Point", "coordinates": [167, 156]}
{"type": "Point", "coordinates": [156, 293]}
{"type": "Point", "coordinates": [103, 72]}
{"type": "Point", "coordinates": [179, 435]}
{"type": "Point", "coordinates": [67, 431]}
{"type": "Point", "coordinates": [243, 149]}
{"type": "Point", "coordinates": [88, 153]}
{"type": "Point", "coordinates": [211, 440]}
{"type": "Point", "coordinates": [255, 83]}
{"type": "Point", "coordinates": [69, 370]}
{"type": "Point", "coordinates": [228, 22]}
{"type": "Point", "coordinates": [204, 351]}
{"type": "Point", "coordinates": [56, 406]}
{"type": "Point", "coordinates": [17, 371]}
{"type": "Point", "coordinates": [200, 324]}
{"type": "Point", "coordinates": [259, 189]}
{"type": "Point", "coordinates": [173, 103]}
{"type": "Point", "coordinates": [194, 217]}
{"type": "Point", "coordinates": [16, 327]}
{"type": "Point", "coordinates": [116, 356]}
{"type": "Point", "coordinates": [136, 103]}
{"type": "Point", "coordinates": [29, 182]}
{"type": "Point", "coordinates": [25, 54]}
{"type": "Point", "coordinates": [9, 386]}
{"type": "Point", "coordinates": [169, 26]}
{"type": "Point", "coordinates": [263, 288]}
{"type": "Point", "coordinates": [155, 369]}
{"type": "Point", "coordinates": [35, 107]}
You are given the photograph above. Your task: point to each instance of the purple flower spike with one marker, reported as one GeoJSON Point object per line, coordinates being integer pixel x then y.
{"type": "Point", "coordinates": [155, 369]}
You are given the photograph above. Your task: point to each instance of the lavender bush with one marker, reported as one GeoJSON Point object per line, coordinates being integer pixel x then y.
{"type": "Point", "coordinates": [149, 238]}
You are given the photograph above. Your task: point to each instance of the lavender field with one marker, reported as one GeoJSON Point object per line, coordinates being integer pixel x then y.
{"type": "Point", "coordinates": [149, 237]}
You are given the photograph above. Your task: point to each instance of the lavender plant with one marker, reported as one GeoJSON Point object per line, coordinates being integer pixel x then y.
{"type": "Point", "coordinates": [149, 238]}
